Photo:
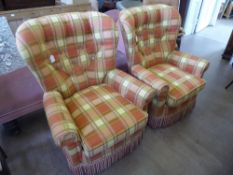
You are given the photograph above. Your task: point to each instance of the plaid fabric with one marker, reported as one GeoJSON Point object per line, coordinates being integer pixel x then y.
{"type": "Point", "coordinates": [154, 81]}
{"type": "Point", "coordinates": [182, 86]}
{"type": "Point", "coordinates": [130, 88]}
{"type": "Point", "coordinates": [111, 151]}
{"type": "Point", "coordinates": [191, 64]}
{"type": "Point", "coordinates": [59, 118]}
{"type": "Point", "coordinates": [71, 54]}
{"type": "Point", "coordinates": [166, 115]}
{"type": "Point", "coordinates": [150, 33]}
{"type": "Point", "coordinates": [68, 52]}
{"type": "Point", "coordinates": [63, 129]}
{"type": "Point", "coordinates": [62, 126]}
{"type": "Point", "coordinates": [103, 118]}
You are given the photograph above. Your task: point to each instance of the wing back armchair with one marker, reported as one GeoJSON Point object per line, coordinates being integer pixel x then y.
{"type": "Point", "coordinates": [95, 112]}
{"type": "Point", "coordinates": [150, 34]}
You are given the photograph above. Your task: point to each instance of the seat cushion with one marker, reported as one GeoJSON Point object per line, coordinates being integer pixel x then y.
{"type": "Point", "coordinates": [103, 118]}
{"type": "Point", "coordinates": [182, 85]}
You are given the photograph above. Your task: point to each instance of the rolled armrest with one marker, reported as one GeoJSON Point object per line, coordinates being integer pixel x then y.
{"type": "Point", "coordinates": [154, 81]}
{"type": "Point", "coordinates": [131, 88]}
{"type": "Point", "coordinates": [189, 63]}
{"type": "Point", "coordinates": [62, 126]}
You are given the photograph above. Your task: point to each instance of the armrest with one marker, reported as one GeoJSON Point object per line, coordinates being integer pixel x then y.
{"type": "Point", "coordinates": [189, 63]}
{"type": "Point", "coordinates": [64, 130]}
{"type": "Point", "coordinates": [131, 88]}
{"type": "Point", "coordinates": [154, 81]}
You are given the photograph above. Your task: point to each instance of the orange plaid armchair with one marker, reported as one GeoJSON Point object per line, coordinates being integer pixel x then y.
{"type": "Point", "coordinates": [95, 112]}
{"type": "Point", "coordinates": [150, 34]}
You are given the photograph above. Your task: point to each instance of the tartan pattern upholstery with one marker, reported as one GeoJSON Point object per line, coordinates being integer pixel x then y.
{"type": "Point", "coordinates": [160, 85]}
{"type": "Point", "coordinates": [69, 52]}
{"type": "Point", "coordinates": [103, 117]}
{"type": "Point", "coordinates": [130, 88]}
{"type": "Point", "coordinates": [166, 115]}
{"type": "Point", "coordinates": [182, 86]}
{"type": "Point", "coordinates": [59, 118]}
{"type": "Point", "coordinates": [150, 34]}
{"type": "Point", "coordinates": [188, 63]}
{"type": "Point", "coordinates": [93, 110]}
{"type": "Point", "coordinates": [63, 128]}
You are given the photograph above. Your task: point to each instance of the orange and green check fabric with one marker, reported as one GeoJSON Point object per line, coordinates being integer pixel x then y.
{"type": "Point", "coordinates": [149, 33]}
{"type": "Point", "coordinates": [103, 117]}
{"type": "Point", "coordinates": [69, 52]}
{"type": "Point", "coordinates": [91, 107]}
{"type": "Point", "coordinates": [131, 88]}
{"type": "Point", "coordinates": [182, 86]}
{"type": "Point", "coordinates": [59, 117]}
{"type": "Point", "coordinates": [161, 86]}
{"type": "Point", "coordinates": [188, 63]}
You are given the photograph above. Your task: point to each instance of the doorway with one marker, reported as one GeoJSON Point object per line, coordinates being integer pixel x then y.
{"type": "Point", "coordinates": [205, 13]}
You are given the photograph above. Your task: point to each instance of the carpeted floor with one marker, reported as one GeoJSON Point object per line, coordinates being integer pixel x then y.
{"type": "Point", "coordinates": [201, 144]}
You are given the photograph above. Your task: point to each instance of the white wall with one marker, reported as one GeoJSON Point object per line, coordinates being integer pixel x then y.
{"type": "Point", "coordinates": [74, 1]}
{"type": "Point", "coordinates": [206, 14]}
{"type": "Point", "coordinates": [201, 14]}
{"type": "Point", "coordinates": [192, 16]}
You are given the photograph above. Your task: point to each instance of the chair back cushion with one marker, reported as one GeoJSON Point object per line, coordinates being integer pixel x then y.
{"type": "Point", "coordinates": [149, 33]}
{"type": "Point", "coordinates": [69, 52]}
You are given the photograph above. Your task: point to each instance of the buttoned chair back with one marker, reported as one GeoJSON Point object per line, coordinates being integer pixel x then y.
{"type": "Point", "coordinates": [69, 52]}
{"type": "Point", "coordinates": [96, 113]}
{"type": "Point", "coordinates": [150, 33]}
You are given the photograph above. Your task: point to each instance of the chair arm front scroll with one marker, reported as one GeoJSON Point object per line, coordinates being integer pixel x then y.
{"type": "Point", "coordinates": [63, 128]}
{"type": "Point", "coordinates": [154, 81]}
{"type": "Point", "coordinates": [189, 63]}
{"type": "Point", "coordinates": [131, 88]}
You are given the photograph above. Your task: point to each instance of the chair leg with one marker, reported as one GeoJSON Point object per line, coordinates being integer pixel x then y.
{"type": "Point", "coordinates": [229, 85]}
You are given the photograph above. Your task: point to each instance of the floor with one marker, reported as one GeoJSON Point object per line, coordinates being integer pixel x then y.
{"type": "Point", "coordinates": [201, 144]}
{"type": "Point", "coordinates": [220, 32]}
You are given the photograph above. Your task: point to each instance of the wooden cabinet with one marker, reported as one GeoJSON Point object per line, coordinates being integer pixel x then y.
{"type": "Point", "coordinates": [20, 4]}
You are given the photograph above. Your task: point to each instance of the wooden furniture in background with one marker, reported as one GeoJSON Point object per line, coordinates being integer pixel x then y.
{"type": "Point", "coordinates": [16, 17]}
{"type": "Point", "coordinates": [20, 4]}
{"type": "Point", "coordinates": [229, 9]}
{"type": "Point", "coordinates": [20, 93]}
{"type": "Point", "coordinates": [228, 53]}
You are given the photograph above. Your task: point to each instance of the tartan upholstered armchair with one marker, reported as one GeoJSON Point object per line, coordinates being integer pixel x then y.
{"type": "Point", "coordinates": [95, 112]}
{"type": "Point", "coordinates": [150, 35]}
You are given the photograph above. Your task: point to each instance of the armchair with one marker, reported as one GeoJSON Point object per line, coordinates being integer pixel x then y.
{"type": "Point", "coordinates": [150, 34]}
{"type": "Point", "coordinates": [96, 113]}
